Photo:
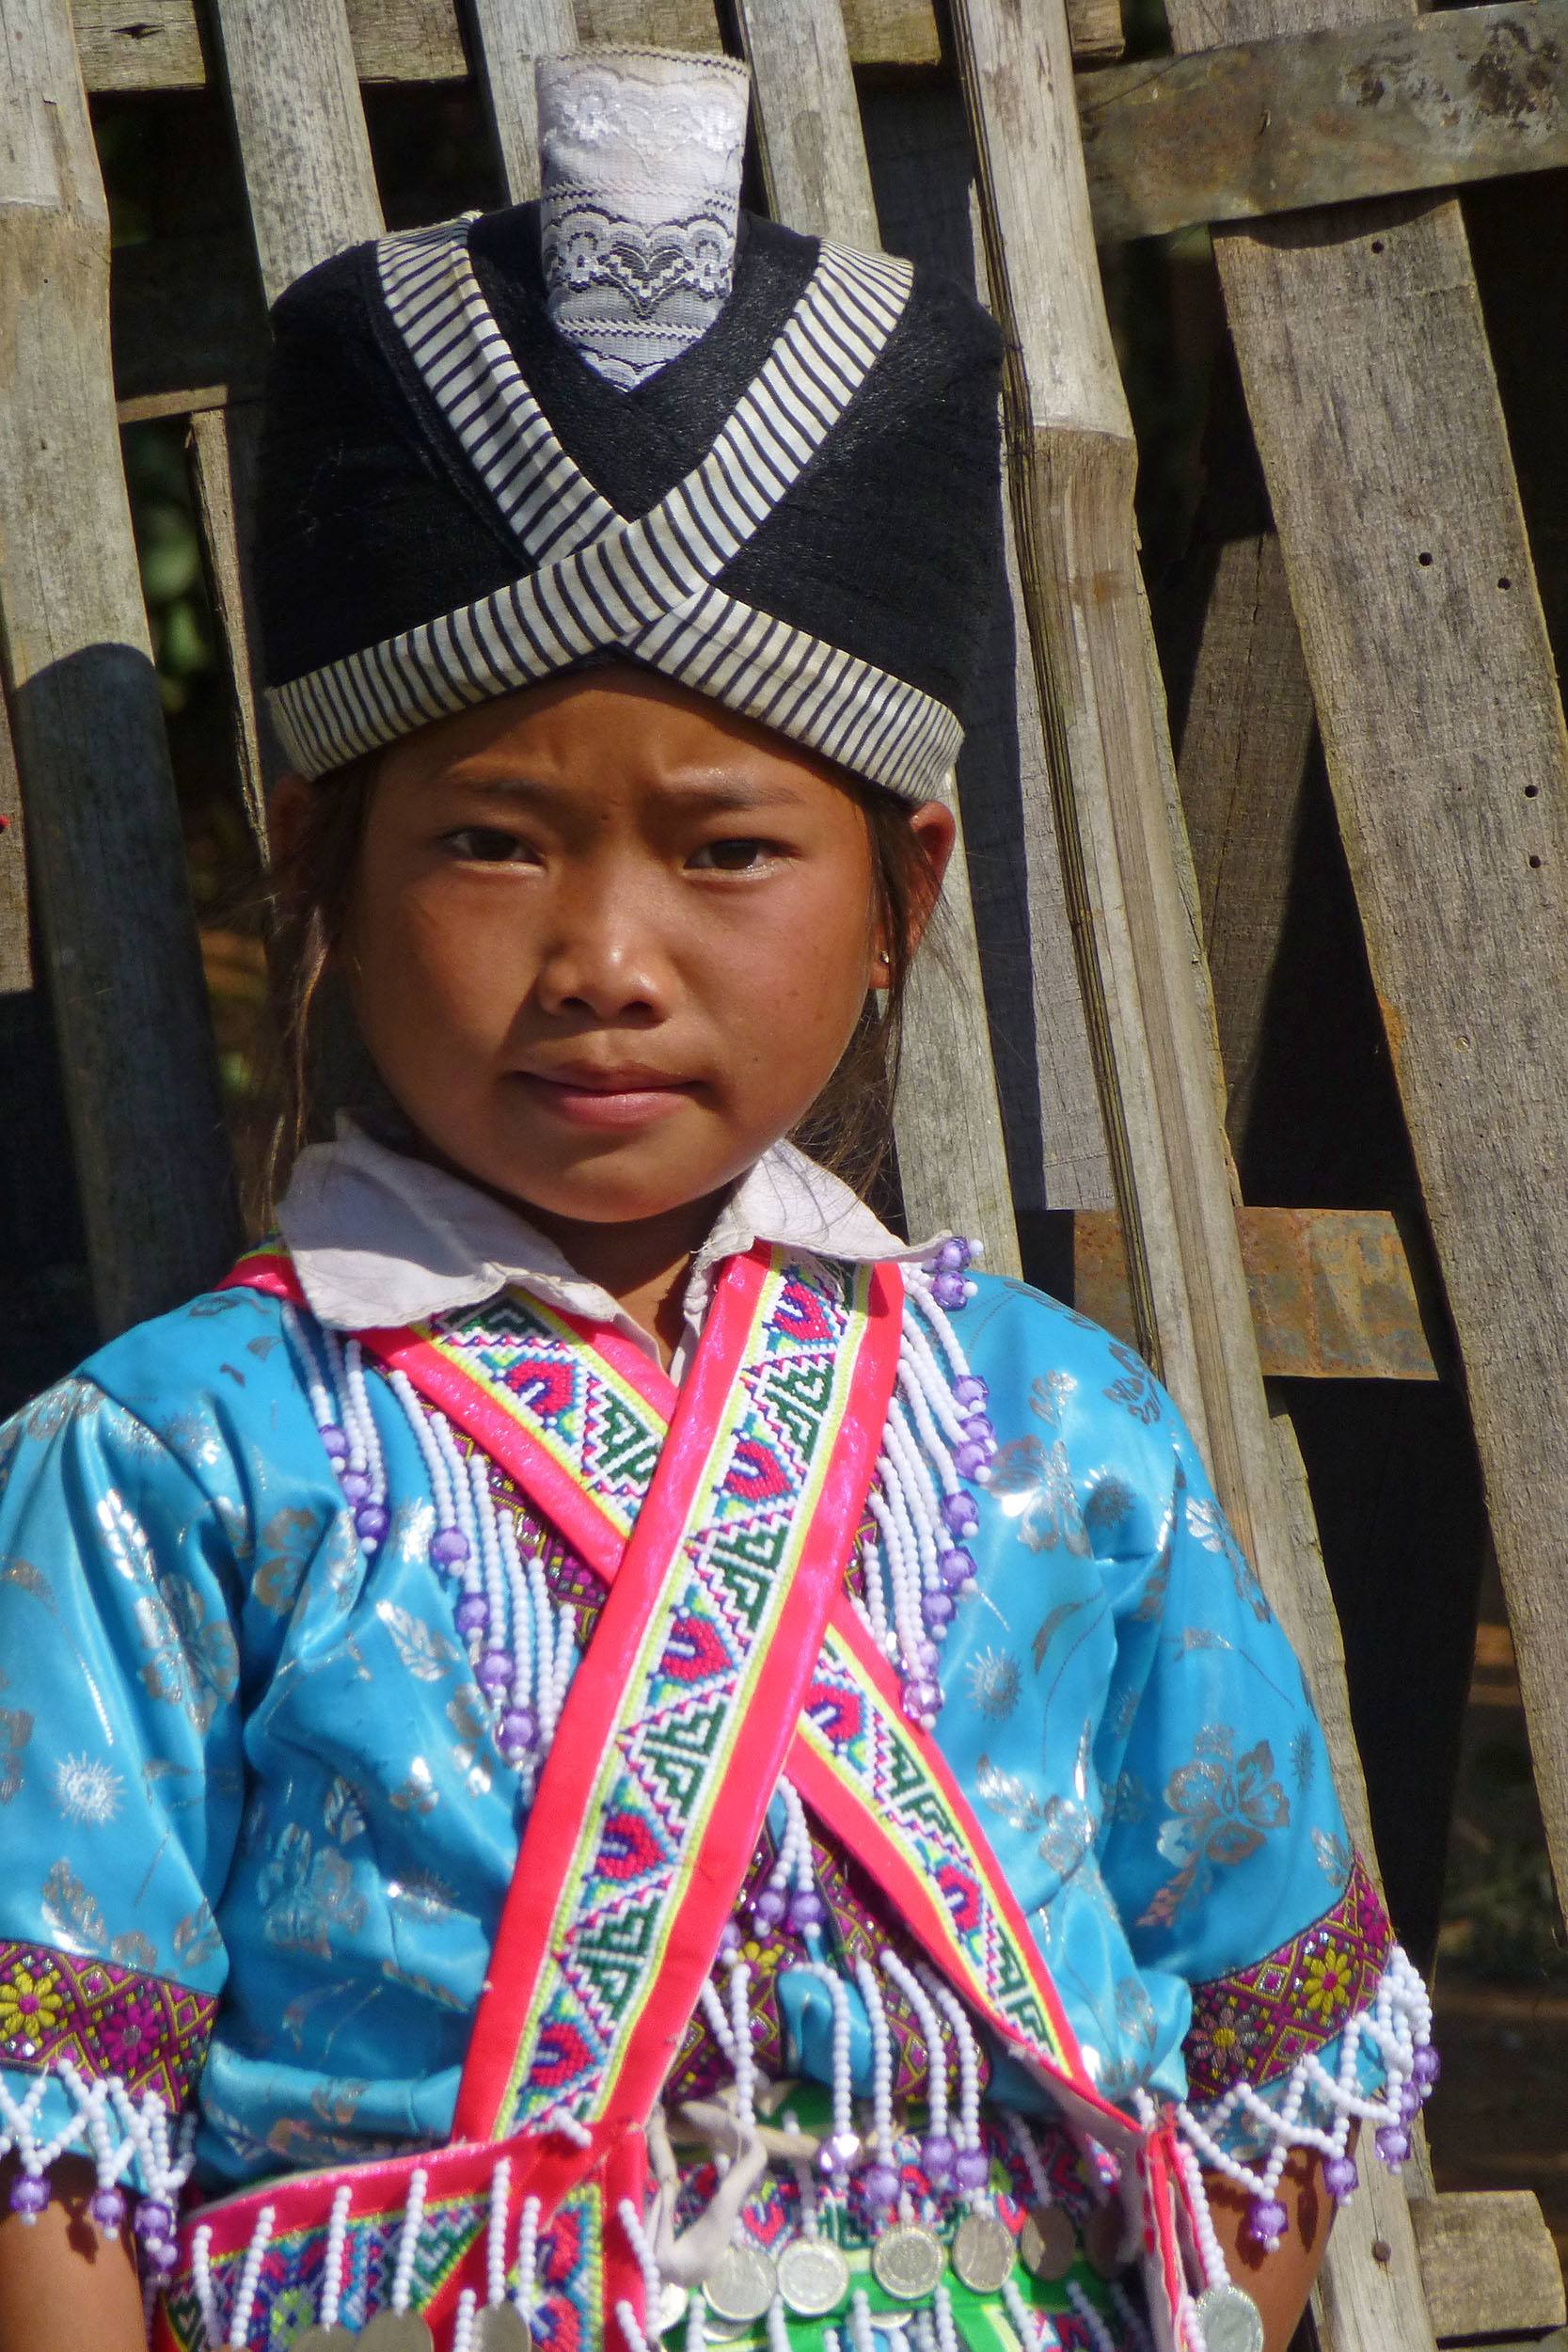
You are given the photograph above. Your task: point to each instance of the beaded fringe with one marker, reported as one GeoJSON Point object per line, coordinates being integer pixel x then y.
{"type": "Point", "coordinates": [115, 2130]}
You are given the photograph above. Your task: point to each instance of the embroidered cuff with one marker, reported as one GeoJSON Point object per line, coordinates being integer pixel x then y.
{"type": "Point", "coordinates": [1331, 2030]}
{"type": "Point", "coordinates": [113, 2024]}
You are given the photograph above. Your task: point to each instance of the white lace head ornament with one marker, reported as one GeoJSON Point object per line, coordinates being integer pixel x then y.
{"type": "Point", "coordinates": [641, 152]}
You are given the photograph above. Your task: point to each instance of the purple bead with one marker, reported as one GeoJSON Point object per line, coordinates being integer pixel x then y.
{"type": "Point", "coordinates": [494, 1671]}
{"type": "Point", "coordinates": [372, 1520]}
{"type": "Point", "coordinates": [107, 2208]}
{"type": "Point", "coordinates": [979, 1429]}
{"type": "Point", "coordinates": [958, 1514]}
{"type": "Point", "coordinates": [927, 1656]}
{"type": "Point", "coordinates": [1426, 2066]}
{"type": "Point", "coordinates": [950, 1291]}
{"type": "Point", "coordinates": [769, 1907]}
{"type": "Point", "coordinates": [970, 1461]}
{"type": "Point", "coordinates": [922, 1698]}
{"type": "Point", "coordinates": [937, 2154]}
{"type": "Point", "coordinates": [1340, 2177]}
{"type": "Point", "coordinates": [973, 2168]}
{"type": "Point", "coordinates": [956, 1569]}
{"type": "Point", "coordinates": [1393, 2144]}
{"type": "Point", "coordinates": [806, 1909]}
{"type": "Point", "coordinates": [1266, 2221]}
{"type": "Point", "coordinates": [938, 1611]}
{"type": "Point", "coordinates": [336, 1441]}
{"type": "Point", "coordinates": [879, 2185]}
{"type": "Point", "coordinates": [837, 2153]}
{"type": "Point", "coordinates": [1409, 2102]}
{"type": "Point", "coordinates": [729, 1940]}
{"type": "Point", "coordinates": [472, 1615]}
{"type": "Point", "coordinates": [450, 1548]}
{"type": "Point", "coordinates": [159, 2255]}
{"type": "Point", "coordinates": [29, 2195]}
{"type": "Point", "coordinates": [519, 1733]}
{"type": "Point", "coordinates": [971, 1390]}
{"type": "Point", "coordinates": [954, 1255]}
{"type": "Point", "coordinates": [355, 1484]}
{"type": "Point", "coordinates": [154, 2219]}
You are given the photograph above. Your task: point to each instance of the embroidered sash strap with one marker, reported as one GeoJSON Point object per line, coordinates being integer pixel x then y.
{"type": "Point", "coordinates": [575, 1414]}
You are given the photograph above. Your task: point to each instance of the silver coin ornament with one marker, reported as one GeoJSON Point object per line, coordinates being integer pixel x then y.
{"type": "Point", "coordinates": [500, 2328]}
{"type": "Point", "coordinates": [1048, 2242]}
{"type": "Point", "coordinates": [983, 2252]}
{"type": "Point", "coordinates": [741, 2285]}
{"type": "Point", "coordinates": [907, 2262]}
{"type": "Point", "coordinates": [396, 2332]}
{"type": "Point", "coordinates": [671, 2306]}
{"type": "Point", "coordinates": [813, 2278]}
{"type": "Point", "coordinates": [1231, 2320]}
{"type": "Point", "coordinates": [319, 2339]}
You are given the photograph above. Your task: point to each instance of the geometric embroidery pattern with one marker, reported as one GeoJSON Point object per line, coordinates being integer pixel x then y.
{"type": "Point", "coordinates": [1260, 2022]}
{"type": "Point", "coordinates": [857, 1731]}
{"type": "Point", "coordinates": [107, 2020]}
{"type": "Point", "coordinates": [592, 1423]}
{"type": "Point", "coordinates": [657, 1782]}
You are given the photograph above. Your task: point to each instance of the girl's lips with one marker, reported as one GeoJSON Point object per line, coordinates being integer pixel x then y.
{"type": "Point", "coordinates": [636, 1103]}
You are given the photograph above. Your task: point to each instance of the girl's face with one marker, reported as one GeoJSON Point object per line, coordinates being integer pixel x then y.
{"type": "Point", "coordinates": [607, 942]}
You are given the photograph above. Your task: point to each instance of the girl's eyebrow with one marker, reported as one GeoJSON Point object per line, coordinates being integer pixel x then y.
{"type": "Point", "coordinates": [716, 795]}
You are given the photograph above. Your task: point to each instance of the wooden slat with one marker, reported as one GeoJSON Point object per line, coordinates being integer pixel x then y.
{"type": "Point", "coordinates": [952, 1158]}
{"type": "Point", "coordinates": [1369, 378]}
{"type": "Point", "coordinates": [1328, 115]}
{"type": "Point", "coordinates": [1072, 482]}
{"type": "Point", "coordinates": [1489, 2262]}
{"type": "Point", "coordinates": [104, 831]}
{"type": "Point", "coordinates": [1245, 740]}
{"type": "Point", "coordinates": [1332, 1292]}
{"type": "Point", "coordinates": [304, 149]}
{"type": "Point", "coordinates": [157, 44]}
{"type": "Point", "coordinates": [510, 35]}
{"type": "Point", "coordinates": [223, 448]}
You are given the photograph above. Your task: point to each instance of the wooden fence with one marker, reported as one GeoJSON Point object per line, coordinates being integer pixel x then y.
{"type": "Point", "coordinates": [1397, 604]}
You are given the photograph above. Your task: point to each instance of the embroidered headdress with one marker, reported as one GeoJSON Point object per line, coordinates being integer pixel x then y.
{"type": "Point", "coordinates": [631, 422]}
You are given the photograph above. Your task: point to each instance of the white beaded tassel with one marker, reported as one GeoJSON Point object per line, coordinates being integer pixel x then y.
{"type": "Point", "coordinates": [250, 2279]}
{"type": "Point", "coordinates": [332, 2263]}
{"type": "Point", "coordinates": [408, 2239]}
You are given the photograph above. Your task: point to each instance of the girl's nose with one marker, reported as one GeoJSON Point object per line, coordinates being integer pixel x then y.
{"type": "Point", "coordinates": [604, 960]}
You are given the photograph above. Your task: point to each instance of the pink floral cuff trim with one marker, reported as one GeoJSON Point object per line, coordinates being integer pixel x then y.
{"type": "Point", "coordinates": [109, 2023]}
{"type": "Point", "coordinates": [1256, 2025]}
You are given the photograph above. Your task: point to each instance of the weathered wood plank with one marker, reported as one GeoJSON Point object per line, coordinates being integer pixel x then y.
{"type": "Point", "coordinates": [304, 149]}
{"type": "Point", "coordinates": [1333, 1293]}
{"type": "Point", "coordinates": [509, 37]}
{"type": "Point", "coordinates": [159, 44]}
{"type": "Point", "coordinates": [1489, 2262]}
{"type": "Point", "coordinates": [952, 1157]}
{"type": "Point", "coordinates": [223, 449]}
{"type": "Point", "coordinates": [104, 841]}
{"type": "Point", "coordinates": [1072, 482]}
{"type": "Point", "coordinates": [1326, 115]}
{"type": "Point", "coordinates": [1246, 735]}
{"type": "Point", "coordinates": [1368, 375]}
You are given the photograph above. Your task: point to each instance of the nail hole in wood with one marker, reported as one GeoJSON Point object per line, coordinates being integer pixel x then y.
{"type": "Point", "coordinates": [1535, 861]}
{"type": "Point", "coordinates": [1377, 245]}
{"type": "Point", "coordinates": [1530, 791]}
{"type": "Point", "coordinates": [1505, 582]}
{"type": "Point", "coordinates": [1425, 556]}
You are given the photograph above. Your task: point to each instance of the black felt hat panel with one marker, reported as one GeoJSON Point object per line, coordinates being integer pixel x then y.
{"type": "Point", "coordinates": [845, 604]}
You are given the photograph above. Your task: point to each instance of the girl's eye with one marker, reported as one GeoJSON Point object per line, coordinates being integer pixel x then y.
{"type": "Point", "coordinates": [730, 857]}
{"type": "Point", "coordinates": [486, 845]}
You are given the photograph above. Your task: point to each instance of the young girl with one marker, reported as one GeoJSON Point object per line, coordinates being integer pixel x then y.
{"type": "Point", "coordinates": [594, 1747]}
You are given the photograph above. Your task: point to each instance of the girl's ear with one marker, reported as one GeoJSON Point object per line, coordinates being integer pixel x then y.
{"type": "Point", "coordinates": [287, 812]}
{"type": "Point", "coordinates": [935, 830]}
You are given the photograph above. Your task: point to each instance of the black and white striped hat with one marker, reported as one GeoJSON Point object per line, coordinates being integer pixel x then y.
{"type": "Point", "coordinates": [798, 515]}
